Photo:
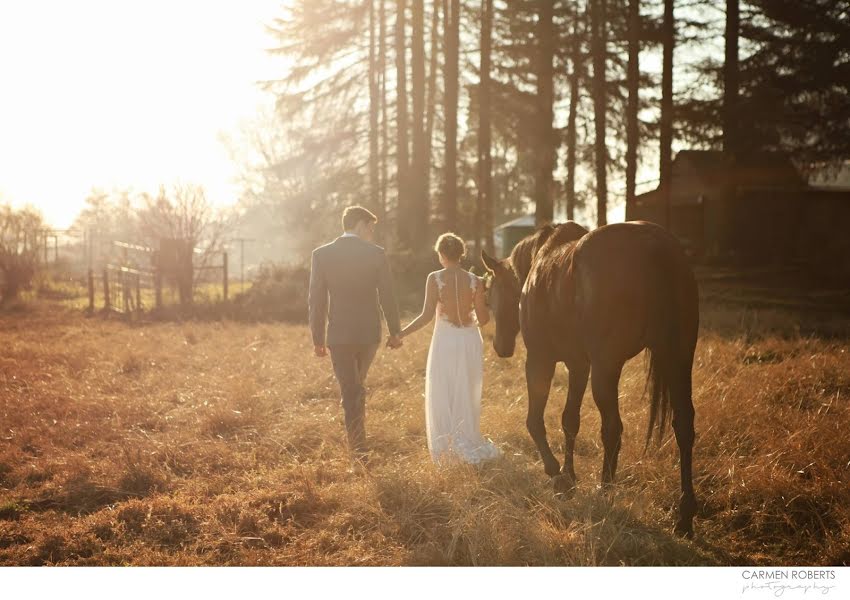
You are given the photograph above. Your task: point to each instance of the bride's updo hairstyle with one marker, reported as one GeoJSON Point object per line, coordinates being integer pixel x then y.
{"type": "Point", "coordinates": [451, 246]}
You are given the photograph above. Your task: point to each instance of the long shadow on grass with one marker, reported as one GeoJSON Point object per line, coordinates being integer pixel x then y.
{"type": "Point", "coordinates": [505, 514]}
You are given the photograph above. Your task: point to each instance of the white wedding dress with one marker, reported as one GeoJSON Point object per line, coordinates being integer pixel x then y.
{"type": "Point", "coordinates": [454, 377]}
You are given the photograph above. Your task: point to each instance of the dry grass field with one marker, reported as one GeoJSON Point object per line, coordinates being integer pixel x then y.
{"type": "Point", "coordinates": [222, 443]}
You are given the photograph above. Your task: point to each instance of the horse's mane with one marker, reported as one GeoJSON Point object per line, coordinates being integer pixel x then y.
{"type": "Point", "coordinates": [550, 236]}
{"type": "Point", "coordinates": [524, 252]}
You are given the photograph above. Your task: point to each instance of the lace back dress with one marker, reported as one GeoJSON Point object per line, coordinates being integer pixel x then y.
{"type": "Point", "coordinates": [454, 374]}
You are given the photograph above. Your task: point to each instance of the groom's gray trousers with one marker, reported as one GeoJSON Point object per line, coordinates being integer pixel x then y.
{"type": "Point", "coordinates": [351, 364]}
{"type": "Point", "coordinates": [350, 290]}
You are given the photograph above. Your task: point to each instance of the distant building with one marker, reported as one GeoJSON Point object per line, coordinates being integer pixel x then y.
{"type": "Point", "coordinates": [756, 208]}
{"type": "Point", "coordinates": [507, 235]}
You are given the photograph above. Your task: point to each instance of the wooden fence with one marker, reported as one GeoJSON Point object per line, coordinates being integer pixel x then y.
{"type": "Point", "coordinates": [128, 290]}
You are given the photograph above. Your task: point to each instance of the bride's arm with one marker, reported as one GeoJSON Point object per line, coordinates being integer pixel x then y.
{"type": "Point", "coordinates": [428, 308]}
{"type": "Point", "coordinates": [480, 300]}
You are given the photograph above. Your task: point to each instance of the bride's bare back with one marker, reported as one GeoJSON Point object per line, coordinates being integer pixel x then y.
{"type": "Point", "coordinates": [454, 295]}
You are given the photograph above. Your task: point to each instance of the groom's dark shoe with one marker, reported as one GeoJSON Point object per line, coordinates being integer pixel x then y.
{"type": "Point", "coordinates": [362, 456]}
{"type": "Point", "coordinates": [360, 453]}
{"type": "Point", "coordinates": [356, 433]}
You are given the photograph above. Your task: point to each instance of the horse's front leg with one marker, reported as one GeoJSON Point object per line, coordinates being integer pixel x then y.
{"type": "Point", "coordinates": [538, 375]}
{"type": "Point", "coordinates": [570, 421]}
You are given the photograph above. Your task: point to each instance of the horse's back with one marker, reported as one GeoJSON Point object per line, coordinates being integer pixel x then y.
{"type": "Point", "coordinates": [629, 276]}
{"type": "Point", "coordinates": [633, 235]}
{"type": "Point", "coordinates": [632, 249]}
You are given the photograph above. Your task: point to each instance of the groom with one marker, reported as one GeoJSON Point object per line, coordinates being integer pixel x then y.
{"type": "Point", "coordinates": [348, 279]}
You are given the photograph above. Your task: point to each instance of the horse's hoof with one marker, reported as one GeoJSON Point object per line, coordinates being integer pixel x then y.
{"type": "Point", "coordinates": [606, 491]}
{"type": "Point", "coordinates": [565, 486]}
{"type": "Point", "coordinates": [684, 529]}
{"type": "Point", "coordinates": [552, 469]}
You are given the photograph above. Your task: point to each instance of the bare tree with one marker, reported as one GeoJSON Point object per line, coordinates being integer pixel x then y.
{"type": "Point", "coordinates": [108, 216]}
{"type": "Point", "coordinates": [21, 236]}
{"type": "Point", "coordinates": [195, 228]}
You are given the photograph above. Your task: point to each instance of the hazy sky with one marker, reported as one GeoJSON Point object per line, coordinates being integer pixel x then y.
{"type": "Point", "coordinates": [120, 93]}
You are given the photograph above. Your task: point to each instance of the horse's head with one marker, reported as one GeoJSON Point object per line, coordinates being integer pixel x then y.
{"type": "Point", "coordinates": [503, 297]}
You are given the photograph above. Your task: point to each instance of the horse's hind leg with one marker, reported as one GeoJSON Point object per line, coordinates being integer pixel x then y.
{"type": "Point", "coordinates": [683, 426]}
{"type": "Point", "coordinates": [605, 381]}
{"type": "Point", "coordinates": [538, 374]}
{"type": "Point", "coordinates": [570, 421]}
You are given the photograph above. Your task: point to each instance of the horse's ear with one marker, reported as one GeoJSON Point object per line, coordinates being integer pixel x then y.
{"type": "Point", "coordinates": [491, 263]}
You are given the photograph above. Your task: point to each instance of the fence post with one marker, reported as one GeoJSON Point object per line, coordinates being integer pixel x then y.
{"type": "Point", "coordinates": [91, 290]}
{"type": "Point", "coordinates": [138, 293]}
{"type": "Point", "coordinates": [224, 269]}
{"type": "Point", "coordinates": [157, 284]}
{"type": "Point", "coordinates": [106, 303]}
{"type": "Point", "coordinates": [124, 298]}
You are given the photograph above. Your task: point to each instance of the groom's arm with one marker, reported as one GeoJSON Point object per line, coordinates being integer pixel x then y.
{"type": "Point", "coordinates": [387, 297]}
{"type": "Point", "coordinates": [317, 302]}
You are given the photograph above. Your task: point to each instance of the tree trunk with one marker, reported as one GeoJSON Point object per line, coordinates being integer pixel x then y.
{"type": "Point", "coordinates": [666, 151]}
{"type": "Point", "coordinates": [374, 109]}
{"type": "Point", "coordinates": [598, 26]}
{"type": "Point", "coordinates": [544, 182]}
{"type": "Point", "coordinates": [419, 162]}
{"type": "Point", "coordinates": [449, 199]}
{"type": "Point", "coordinates": [484, 208]}
{"type": "Point", "coordinates": [575, 81]}
{"type": "Point", "coordinates": [730, 78]}
{"type": "Point", "coordinates": [431, 101]}
{"type": "Point", "coordinates": [384, 154]}
{"type": "Point", "coordinates": [402, 150]}
{"type": "Point", "coordinates": [633, 81]}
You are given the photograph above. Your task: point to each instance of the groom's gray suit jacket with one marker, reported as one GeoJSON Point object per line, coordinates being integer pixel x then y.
{"type": "Point", "coordinates": [350, 282]}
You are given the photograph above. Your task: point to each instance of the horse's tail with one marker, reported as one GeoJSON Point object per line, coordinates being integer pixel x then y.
{"type": "Point", "coordinates": [663, 345]}
{"type": "Point", "coordinates": [658, 382]}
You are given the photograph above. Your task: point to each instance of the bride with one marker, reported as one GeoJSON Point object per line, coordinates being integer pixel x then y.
{"type": "Point", "coordinates": [454, 373]}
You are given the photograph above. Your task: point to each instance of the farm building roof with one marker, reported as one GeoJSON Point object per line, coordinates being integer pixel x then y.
{"type": "Point", "coordinates": [523, 221]}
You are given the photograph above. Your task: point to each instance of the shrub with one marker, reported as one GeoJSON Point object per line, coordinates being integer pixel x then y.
{"type": "Point", "coordinates": [20, 242]}
{"type": "Point", "coordinates": [279, 292]}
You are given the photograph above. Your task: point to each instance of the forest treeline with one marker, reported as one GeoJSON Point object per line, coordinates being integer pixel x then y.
{"type": "Point", "coordinates": [461, 114]}
{"type": "Point", "coordinates": [457, 114]}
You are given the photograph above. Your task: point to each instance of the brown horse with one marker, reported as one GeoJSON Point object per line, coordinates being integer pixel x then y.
{"type": "Point", "coordinates": [593, 301]}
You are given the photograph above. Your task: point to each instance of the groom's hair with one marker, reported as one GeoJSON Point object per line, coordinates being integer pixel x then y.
{"type": "Point", "coordinates": [353, 215]}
